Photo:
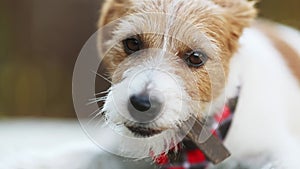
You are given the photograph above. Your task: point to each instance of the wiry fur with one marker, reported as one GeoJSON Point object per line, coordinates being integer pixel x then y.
{"type": "Point", "coordinates": [242, 61]}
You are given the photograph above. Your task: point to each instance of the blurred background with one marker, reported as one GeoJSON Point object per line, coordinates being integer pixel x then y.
{"type": "Point", "coordinates": [41, 39]}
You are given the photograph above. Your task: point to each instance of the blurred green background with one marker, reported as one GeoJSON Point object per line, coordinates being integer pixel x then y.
{"type": "Point", "coordinates": [41, 39]}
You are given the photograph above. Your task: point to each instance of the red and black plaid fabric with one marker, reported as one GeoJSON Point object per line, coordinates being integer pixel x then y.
{"type": "Point", "coordinates": [189, 156]}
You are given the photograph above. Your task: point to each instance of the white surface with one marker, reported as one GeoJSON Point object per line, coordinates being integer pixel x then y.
{"type": "Point", "coordinates": [43, 144]}
{"type": "Point", "coordinates": [55, 144]}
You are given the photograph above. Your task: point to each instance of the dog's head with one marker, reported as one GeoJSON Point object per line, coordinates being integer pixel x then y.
{"type": "Point", "coordinates": [168, 60]}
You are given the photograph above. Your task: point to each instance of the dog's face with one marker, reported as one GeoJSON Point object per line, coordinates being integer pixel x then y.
{"type": "Point", "coordinates": [168, 59]}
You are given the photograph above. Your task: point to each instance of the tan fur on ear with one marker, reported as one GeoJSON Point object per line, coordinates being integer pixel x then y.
{"type": "Point", "coordinates": [241, 10]}
{"type": "Point", "coordinates": [239, 14]}
{"type": "Point", "coordinates": [112, 10]}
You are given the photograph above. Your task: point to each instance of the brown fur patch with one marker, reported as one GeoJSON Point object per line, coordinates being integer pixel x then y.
{"type": "Point", "coordinates": [112, 10]}
{"type": "Point", "coordinates": [239, 13]}
{"type": "Point", "coordinates": [290, 55]}
{"type": "Point", "coordinates": [220, 21]}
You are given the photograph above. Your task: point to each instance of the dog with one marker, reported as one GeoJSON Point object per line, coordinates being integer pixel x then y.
{"type": "Point", "coordinates": [174, 60]}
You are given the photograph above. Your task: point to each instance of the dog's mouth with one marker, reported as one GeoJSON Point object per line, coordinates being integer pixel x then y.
{"type": "Point", "coordinates": [143, 131]}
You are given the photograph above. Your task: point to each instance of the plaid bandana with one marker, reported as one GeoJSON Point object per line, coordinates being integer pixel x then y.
{"type": "Point", "coordinates": [189, 156]}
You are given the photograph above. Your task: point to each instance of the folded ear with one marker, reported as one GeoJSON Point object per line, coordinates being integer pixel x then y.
{"type": "Point", "coordinates": [239, 14]}
{"type": "Point", "coordinates": [112, 10]}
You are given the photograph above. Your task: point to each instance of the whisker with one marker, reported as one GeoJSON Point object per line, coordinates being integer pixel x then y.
{"type": "Point", "coordinates": [96, 113]}
{"type": "Point", "coordinates": [103, 92]}
{"type": "Point", "coordinates": [99, 98]}
{"type": "Point", "coordinates": [102, 77]}
{"type": "Point", "coordinates": [96, 100]}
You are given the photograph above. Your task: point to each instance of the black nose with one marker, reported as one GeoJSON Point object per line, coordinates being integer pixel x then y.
{"type": "Point", "coordinates": [144, 108]}
{"type": "Point", "coordinates": [140, 103]}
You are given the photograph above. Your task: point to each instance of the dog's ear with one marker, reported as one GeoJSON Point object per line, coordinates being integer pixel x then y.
{"type": "Point", "coordinates": [239, 14]}
{"type": "Point", "coordinates": [241, 10]}
{"type": "Point", "coordinates": [112, 10]}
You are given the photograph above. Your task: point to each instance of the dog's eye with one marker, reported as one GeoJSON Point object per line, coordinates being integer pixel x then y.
{"type": "Point", "coordinates": [195, 58]}
{"type": "Point", "coordinates": [132, 44]}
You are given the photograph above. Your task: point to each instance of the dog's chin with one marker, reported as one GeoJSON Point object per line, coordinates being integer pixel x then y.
{"type": "Point", "coordinates": [141, 131]}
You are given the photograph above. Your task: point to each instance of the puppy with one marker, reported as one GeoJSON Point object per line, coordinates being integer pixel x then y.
{"type": "Point", "coordinates": [173, 60]}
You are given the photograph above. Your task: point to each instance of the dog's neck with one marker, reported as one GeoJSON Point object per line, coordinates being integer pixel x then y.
{"type": "Point", "coordinates": [200, 154]}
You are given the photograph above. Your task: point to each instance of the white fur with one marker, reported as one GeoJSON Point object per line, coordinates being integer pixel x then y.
{"type": "Point", "coordinates": [157, 76]}
{"type": "Point", "coordinates": [266, 102]}
{"type": "Point", "coordinates": [292, 37]}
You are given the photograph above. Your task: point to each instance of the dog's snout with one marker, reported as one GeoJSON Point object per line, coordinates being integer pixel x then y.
{"type": "Point", "coordinates": [144, 108]}
{"type": "Point", "coordinates": [140, 103]}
